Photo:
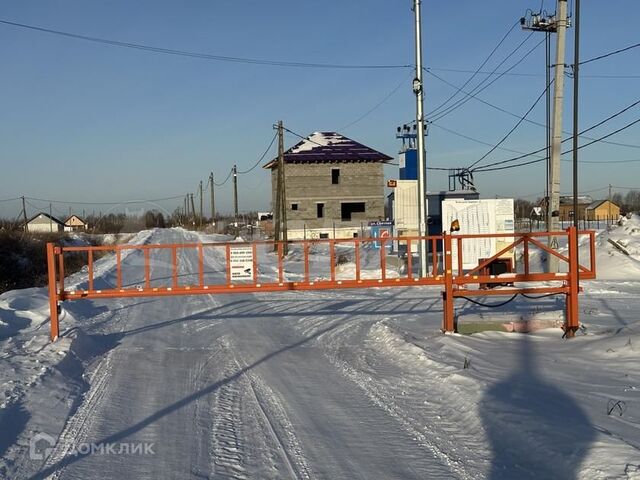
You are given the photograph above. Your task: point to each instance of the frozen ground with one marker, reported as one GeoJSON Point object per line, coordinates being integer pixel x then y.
{"type": "Point", "coordinates": [325, 384]}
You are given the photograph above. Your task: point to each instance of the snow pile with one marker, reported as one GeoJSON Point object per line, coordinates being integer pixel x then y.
{"type": "Point", "coordinates": [613, 264]}
{"type": "Point", "coordinates": [318, 139]}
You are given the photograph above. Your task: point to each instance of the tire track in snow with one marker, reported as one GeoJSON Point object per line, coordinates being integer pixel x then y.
{"type": "Point", "coordinates": [228, 450]}
{"type": "Point", "coordinates": [80, 422]}
{"type": "Point", "coordinates": [266, 401]}
{"type": "Point", "coordinates": [276, 421]}
{"type": "Point", "coordinates": [435, 436]}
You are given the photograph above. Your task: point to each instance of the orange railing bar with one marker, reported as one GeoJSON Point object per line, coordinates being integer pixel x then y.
{"type": "Point", "coordinates": [454, 285]}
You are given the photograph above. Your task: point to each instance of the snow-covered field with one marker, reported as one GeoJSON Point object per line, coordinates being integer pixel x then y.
{"type": "Point", "coordinates": [323, 384]}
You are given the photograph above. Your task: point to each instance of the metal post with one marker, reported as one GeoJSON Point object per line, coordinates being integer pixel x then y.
{"type": "Point", "coordinates": [574, 260]}
{"type": "Point", "coordinates": [422, 179]}
{"type": "Point", "coordinates": [571, 320]}
{"type": "Point", "coordinates": [448, 323]}
{"type": "Point", "coordinates": [53, 292]}
{"type": "Point", "coordinates": [201, 202]}
{"type": "Point", "coordinates": [235, 194]}
{"type": "Point", "coordinates": [213, 199]}
{"type": "Point", "coordinates": [556, 141]}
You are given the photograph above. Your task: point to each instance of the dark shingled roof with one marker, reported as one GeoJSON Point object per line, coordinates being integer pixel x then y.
{"type": "Point", "coordinates": [329, 147]}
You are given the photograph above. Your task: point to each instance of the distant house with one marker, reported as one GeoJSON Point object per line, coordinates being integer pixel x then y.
{"type": "Point", "coordinates": [44, 223]}
{"type": "Point", "coordinates": [566, 207]}
{"type": "Point", "coordinates": [334, 186]}
{"type": "Point", "coordinates": [602, 210]}
{"type": "Point", "coordinates": [74, 223]}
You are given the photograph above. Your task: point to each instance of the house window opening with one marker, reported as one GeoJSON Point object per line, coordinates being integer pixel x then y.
{"type": "Point", "coordinates": [294, 206]}
{"type": "Point", "coordinates": [347, 209]}
{"type": "Point", "coordinates": [320, 210]}
{"type": "Point", "coordinates": [335, 176]}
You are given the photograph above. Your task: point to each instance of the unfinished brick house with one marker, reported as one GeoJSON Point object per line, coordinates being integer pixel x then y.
{"type": "Point", "coordinates": [334, 186]}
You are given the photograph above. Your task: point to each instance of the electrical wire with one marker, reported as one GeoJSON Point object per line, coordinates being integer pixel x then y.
{"type": "Point", "coordinates": [225, 180]}
{"type": "Point", "coordinates": [610, 54]}
{"type": "Point", "coordinates": [493, 149]}
{"type": "Point", "coordinates": [526, 74]}
{"type": "Point", "coordinates": [127, 202]}
{"type": "Point", "coordinates": [453, 132]}
{"type": "Point", "coordinates": [609, 118]}
{"type": "Point", "coordinates": [490, 305]}
{"type": "Point", "coordinates": [500, 109]}
{"type": "Point", "coordinates": [482, 87]}
{"type": "Point", "coordinates": [484, 169]}
{"type": "Point", "coordinates": [204, 56]}
{"type": "Point", "coordinates": [261, 158]}
{"type": "Point", "coordinates": [376, 106]}
{"type": "Point", "coordinates": [453, 95]}
{"type": "Point", "coordinates": [10, 199]}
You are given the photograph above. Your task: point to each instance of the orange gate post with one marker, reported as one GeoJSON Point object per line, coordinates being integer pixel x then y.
{"type": "Point", "coordinates": [53, 291]}
{"type": "Point", "coordinates": [447, 295]}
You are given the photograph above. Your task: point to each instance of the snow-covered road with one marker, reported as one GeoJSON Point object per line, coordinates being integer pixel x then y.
{"type": "Point", "coordinates": [333, 385]}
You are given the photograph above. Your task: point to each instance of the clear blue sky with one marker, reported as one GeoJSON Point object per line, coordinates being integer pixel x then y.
{"type": "Point", "coordinates": [88, 122]}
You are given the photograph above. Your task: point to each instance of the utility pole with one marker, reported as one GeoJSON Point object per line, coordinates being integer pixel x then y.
{"type": "Point", "coordinates": [235, 193]}
{"type": "Point", "coordinates": [50, 219]}
{"type": "Point", "coordinates": [557, 24]}
{"type": "Point", "coordinates": [422, 179]}
{"type": "Point", "coordinates": [193, 209]}
{"type": "Point", "coordinates": [553, 212]}
{"type": "Point", "coordinates": [280, 212]}
{"type": "Point", "coordinates": [24, 213]}
{"type": "Point", "coordinates": [277, 207]}
{"type": "Point", "coordinates": [609, 214]}
{"type": "Point", "coordinates": [200, 219]}
{"type": "Point", "coordinates": [213, 199]}
{"type": "Point", "coordinates": [283, 190]}
{"type": "Point", "coordinates": [575, 271]}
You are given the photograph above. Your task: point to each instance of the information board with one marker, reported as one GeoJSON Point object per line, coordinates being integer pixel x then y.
{"type": "Point", "coordinates": [479, 217]}
{"type": "Point", "coordinates": [241, 262]}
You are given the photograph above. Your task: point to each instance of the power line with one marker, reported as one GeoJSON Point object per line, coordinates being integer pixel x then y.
{"type": "Point", "coordinates": [525, 74]}
{"type": "Point", "coordinates": [9, 199]}
{"type": "Point", "coordinates": [225, 180]}
{"type": "Point", "coordinates": [518, 123]}
{"type": "Point", "coordinates": [204, 56]}
{"type": "Point", "coordinates": [533, 122]}
{"type": "Point", "coordinates": [480, 87]}
{"type": "Point", "coordinates": [615, 52]}
{"type": "Point", "coordinates": [261, 158]}
{"type": "Point", "coordinates": [453, 95]}
{"type": "Point", "coordinates": [376, 106]}
{"type": "Point", "coordinates": [462, 135]}
{"type": "Point", "coordinates": [485, 169]}
{"type": "Point", "coordinates": [127, 202]}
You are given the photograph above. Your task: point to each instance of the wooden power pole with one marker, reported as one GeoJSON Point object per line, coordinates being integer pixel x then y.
{"type": "Point", "coordinates": [213, 199]}
{"type": "Point", "coordinates": [201, 213]}
{"type": "Point", "coordinates": [235, 193]}
{"type": "Point", "coordinates": [193, 208]}
{"type": "Point", "coordinates": [280, 211]}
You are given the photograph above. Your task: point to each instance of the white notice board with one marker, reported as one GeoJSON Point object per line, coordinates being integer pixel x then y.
{"type": "Point", "coordinates": [479, 217]}
{"type": "Point", "coordinates": [241, 259]}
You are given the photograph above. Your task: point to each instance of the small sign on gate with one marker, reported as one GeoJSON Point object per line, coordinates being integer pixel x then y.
{"type": "Point", "coordinates": [241, 262]}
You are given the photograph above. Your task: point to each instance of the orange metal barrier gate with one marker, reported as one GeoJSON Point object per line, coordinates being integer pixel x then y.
{"type": "Point", "coordinates": [446, 269]}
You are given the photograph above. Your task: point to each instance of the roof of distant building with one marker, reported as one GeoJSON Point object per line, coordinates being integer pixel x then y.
{"type": "Point", "coordinates": [52, 218]}
{"type": "Point", "coordinates": [582, 200]}
{"type": "Point", "coordinates": [597, 203]}
{"type": "Point", "coordinates": [320, 147]}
